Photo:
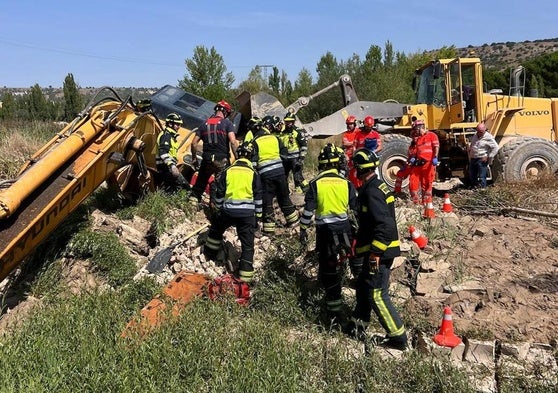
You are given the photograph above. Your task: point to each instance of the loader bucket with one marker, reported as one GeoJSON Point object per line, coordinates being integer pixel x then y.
{"type": "Point", "coordinates": [260, 104]}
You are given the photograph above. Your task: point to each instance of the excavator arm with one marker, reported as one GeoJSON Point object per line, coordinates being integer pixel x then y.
{"type": "Point", "coordinates": [109, 141]}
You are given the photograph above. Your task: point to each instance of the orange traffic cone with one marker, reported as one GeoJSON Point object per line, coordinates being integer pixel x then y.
{"type": "Point", "coordinates": [417, 236]}
{"type": "Point", "coordinates": [446, 336]}
{"type": "Point", "coordinates": [446, 207]}
{"type": "Point", "coordinates": [429, 211]}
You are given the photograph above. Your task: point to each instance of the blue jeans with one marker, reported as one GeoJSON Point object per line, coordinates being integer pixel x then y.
{"type": "Point", "coordinates": [477, 172]}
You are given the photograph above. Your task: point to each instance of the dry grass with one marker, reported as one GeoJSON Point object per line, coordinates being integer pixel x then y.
{"type": "Point", "coordinates": [18, 142]}
{"type": "Point", "coordinates": [536, 198]}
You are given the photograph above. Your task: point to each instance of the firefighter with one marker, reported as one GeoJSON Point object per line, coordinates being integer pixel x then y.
{"type": "Point", "coordinates": [377, 241]}
{"type": "Point", "coordinates": [423, 171]}
{"type": "Point", "coordinates": [269, 153]}
{"type": "Point", "coordinates": [250, 126]}
{"type": "Point", "coordinates": [367, 137]}
{"type": "Point", "coordinates": [237, 198]}
{"type": "Point", "coordinates": [218, 137]}
{"type": "Point", "coordinates": [406, 170]}
{"type": "Point", "coordinates": [349, 146]}
{"type": "Point", "coordinates": [273, 124]}
{"type": "Point", "coordinates": [333, 200]}
{"type": "Point", "coordinates": [166, 160]}
{"type": "Point", "coordinates": [296, 142]}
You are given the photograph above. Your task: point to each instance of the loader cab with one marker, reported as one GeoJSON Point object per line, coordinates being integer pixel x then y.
{"type": "Point", "coordinates": [452, 91]}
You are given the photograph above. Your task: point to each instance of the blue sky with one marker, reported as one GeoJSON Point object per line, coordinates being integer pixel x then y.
{"type": "Point", "coordinates": [144, 43]}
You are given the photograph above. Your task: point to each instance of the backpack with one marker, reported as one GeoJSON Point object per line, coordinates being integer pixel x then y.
{"type": "Point", "coordinates": [227, 285]}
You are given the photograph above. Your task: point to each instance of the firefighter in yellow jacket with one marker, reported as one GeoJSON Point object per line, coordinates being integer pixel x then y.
{"type": "Point", "coordinates": [296, 142]}
{"type": "Point", "coordinates": [333, 200]}
{"type": "Point", "coordinates": [377, 241]}
{"type": "Point", "coordinates": [268, 157]}
{"type": "Point", "coordinates": [237, 196]}
{"type": "Point", "coordinates": [166, 159]}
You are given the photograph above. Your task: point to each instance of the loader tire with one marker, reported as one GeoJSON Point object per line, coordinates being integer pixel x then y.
{"type": "Point", "coordinates": [525, 158]}
{"type": "Point", "coordinates": [393, 157]}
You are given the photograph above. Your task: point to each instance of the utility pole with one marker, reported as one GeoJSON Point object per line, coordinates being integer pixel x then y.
{"type": "Point", "coordinates": [265, 68]}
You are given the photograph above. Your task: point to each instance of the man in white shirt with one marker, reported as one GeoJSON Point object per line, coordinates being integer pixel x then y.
{"type": "Point", "coordinates": [482, 151]}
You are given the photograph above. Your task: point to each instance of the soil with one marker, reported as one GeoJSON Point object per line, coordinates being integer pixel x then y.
{"type": "Point", "coordinates": [502, 280]}
{"type": "Point", "coordinates": [508, 289]}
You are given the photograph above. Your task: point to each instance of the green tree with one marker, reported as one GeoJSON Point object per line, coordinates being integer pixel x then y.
{"type": "Point", "coordinates": [72, 99]}
{"type": "Point", "coordinates": [303, 87]}
{"type": "Point", "coordinates": [8, 107]}
{"type": "Point", "coordinates": [275, 81]}
{"type": "Point", "coordinates": [255, 82]}
{"type": "Point", "coordinates": [37, 107]}
{"type": "Point", "coordinates": [207, 76]}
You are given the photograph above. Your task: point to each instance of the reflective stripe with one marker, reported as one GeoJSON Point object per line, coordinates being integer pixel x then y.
{"type": "Point", "coordinates": [245, 275]}
{"type": "Point", "coordinates": [239, 204]}
{"type": "Point", "coordinates": [292, 218]}
{"type": "Point", "coordinates": [270, 165]}
{"type": "Point", "coordinates": [213, 244]}
{"type": "Point", "coordinates": [331, 219]}
{"type": "Point", "coordinates": [334, 305]}
{"type": "Point", "coordinates": [385, 315]}
{"type": "Point", "coordinates": [379, 245]}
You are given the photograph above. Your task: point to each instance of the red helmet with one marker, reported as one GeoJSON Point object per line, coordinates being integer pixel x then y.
{"type": "Point", "coordinates": [351, 120]}
{"type": "Point", "coordinates": [368, 121]}
{"type": "Point", "coordinates": [418, 123]}
{"type": "Point", "coordinates": [224, 107]}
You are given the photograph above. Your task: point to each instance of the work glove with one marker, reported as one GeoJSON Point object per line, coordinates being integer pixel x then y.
{"type": "Point", "coordinates": [299, 162]}
{"type": "Point", "coordinates": [303, 237]}
{"type": "Point", "coordinates": [175, 172]}
{"type": "Point", "coordinates": [195, 163]}
{"type": "Point", "coordinates": [371, 144]}
{"type": "Point", "coordinates": [412, 160]}
{"type": "Point", "coordinates": [374, 261]}
{"type": "Point", "coordinates": [435, 161]}
{"type": "Point", "coordinates": [181, 181]}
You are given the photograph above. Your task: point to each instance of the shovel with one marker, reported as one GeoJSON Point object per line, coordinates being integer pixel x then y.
{"type": "Point", "coordinates": [163, 256]}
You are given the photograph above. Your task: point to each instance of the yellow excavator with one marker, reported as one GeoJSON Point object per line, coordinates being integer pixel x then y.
{"type": "Point", "coordinates": [452, 98]}
{"type": "Point", "coordinates": [112, 140]}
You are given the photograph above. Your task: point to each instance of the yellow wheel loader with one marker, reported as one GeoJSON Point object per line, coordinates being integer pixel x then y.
{"type": "Point", "coordinates": [451, 97]}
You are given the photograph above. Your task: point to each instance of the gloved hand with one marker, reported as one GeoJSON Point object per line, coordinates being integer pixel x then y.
{"type": "Point", "coordinates": [371, 144]}
{"type": "Point", "coordinates": [374, 261]}
{"type": "Point", "coordinates": [435, 161]}
{"type": "Point", "coordinates": [181, 181]}
{"type": "Point", "coordinates": [412, 160]}
{"type": "Point", "coordinates": [195, 163]}
{"type": "Point", "coordinates": [299, 162]}
{"type": "Point", "coordinates": [303, 237]}
{"type": "Point", "coordinates": [175, 172]}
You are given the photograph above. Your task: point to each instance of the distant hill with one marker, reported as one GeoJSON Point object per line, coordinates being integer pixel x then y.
{"type": "Point", "coordinates": [501, 55]}
{"type": "Point", "coordinates": [497, 56]}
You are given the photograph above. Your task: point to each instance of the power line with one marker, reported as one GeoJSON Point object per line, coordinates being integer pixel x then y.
{"type": "Point", "coordinates": [91, 55]}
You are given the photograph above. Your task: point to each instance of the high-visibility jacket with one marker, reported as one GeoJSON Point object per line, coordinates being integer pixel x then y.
{"type": "Point", "coordinates": [348, 143]}
{"type": "Point", "coordinates": [377, 231]}
{"type": "Point", "coordinates": [330, 197]}
{"type": "Point", "coordinates": [167, 143]}
{"type": "Point", "coordinates": [295, 141]}
{"type": "Point", "coordinates": [268, 155]}
{"type": "Point", "coordinates": [426, 145]}
{"type": "Point", "coordinates": [367, 138]}
{"type": "Point", "coordinates": [238, 190]}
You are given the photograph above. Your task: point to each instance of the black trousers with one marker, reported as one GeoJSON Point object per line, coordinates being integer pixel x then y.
{"type": "Point", "coordinates": [209, 166]}
{"type": "Point", "coordinates": [277, 187]}
{"type": "Point", "coordinates": [372, 293]}
{"type": "Point", "coordinates": [290, 166]}
{"type": "Point", "coordinates": [245, 228]}
{"type": "Point", "coordinates": [330, 273]}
